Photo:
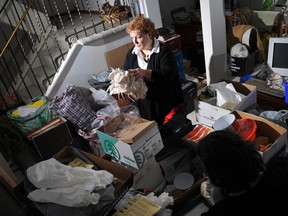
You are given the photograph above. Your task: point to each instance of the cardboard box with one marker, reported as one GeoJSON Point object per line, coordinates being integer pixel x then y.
{"type": "Point", "coordinates": [183, 196]}
{"type": "Point", "coordinates": [176, 163]}
{"type": "Point", "coordinates": [242, 66]}
{"type": "Point", "coordinates": [174, 43]}
{"type": "Point", "coordinates": [124, 177]}
{"type": "Point", "coordinates": [276, 134]}
{"type": "Point", "coordinates": [51, 138]}
{"type": "Point", "coordinates": [207, 113]}
{"type": "Point", "coordinates": [136, 145]}
{"type": "Point", "coordinates": [115, 58]}
{"type": "Point", "coordinates": [143, 178]}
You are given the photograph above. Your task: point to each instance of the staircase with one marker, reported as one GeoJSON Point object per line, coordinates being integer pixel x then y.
{"type": "Point", "coordinates": [35, 36]}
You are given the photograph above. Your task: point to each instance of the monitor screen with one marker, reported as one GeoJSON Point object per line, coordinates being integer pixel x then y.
{"type": "Point", "coordinates": [278, 55]}
{"type": "Point", "coordinates": [280, 52]}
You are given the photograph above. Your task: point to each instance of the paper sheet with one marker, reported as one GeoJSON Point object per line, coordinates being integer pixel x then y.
{"type": "Point", "coordinates": [138, 206]}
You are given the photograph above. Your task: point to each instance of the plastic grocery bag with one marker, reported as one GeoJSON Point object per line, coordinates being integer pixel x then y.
{"type": "Point", "coordinates": [33, 115]}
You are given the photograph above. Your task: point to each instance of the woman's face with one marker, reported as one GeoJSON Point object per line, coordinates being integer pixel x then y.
{"type": "Point", "coordinates": [141, 41]}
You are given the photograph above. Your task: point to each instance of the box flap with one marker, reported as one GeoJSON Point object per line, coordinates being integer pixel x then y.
{"type": "Point", "coordinates": [207, 113]}
{"type": "Point", "coordinates": [130, 133]}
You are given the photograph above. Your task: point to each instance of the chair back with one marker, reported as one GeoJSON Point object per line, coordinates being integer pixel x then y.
{"type": "Point", "coordinates": [176, 12]}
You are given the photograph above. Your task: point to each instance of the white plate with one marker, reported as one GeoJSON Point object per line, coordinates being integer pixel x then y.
{"type": "Point", "coordinates": [183, 180]}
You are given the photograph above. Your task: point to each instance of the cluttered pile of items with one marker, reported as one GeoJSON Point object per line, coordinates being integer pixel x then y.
{"type": "Point", "coordinates": [114, 175]}
{"type": "Point", "coordinates": [118, 150]}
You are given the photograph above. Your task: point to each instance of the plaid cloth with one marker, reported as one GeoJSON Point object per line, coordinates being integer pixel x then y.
{"type": "Point", "coordinates": [74, 105]}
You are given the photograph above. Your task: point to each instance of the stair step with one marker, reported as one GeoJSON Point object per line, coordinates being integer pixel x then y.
{"type": "Point", "coordinates": [34, 91]}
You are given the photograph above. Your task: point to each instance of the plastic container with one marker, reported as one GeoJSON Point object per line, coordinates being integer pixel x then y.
{"type": "Point", "coordinates": [225, 122]}
{"type": "Point", "coordinates": [242, 66]}
{"type": "Point", "coordinates": [246, 128]}
{"type": "Point", "coordinates": [245, 78]}
{"type": "Point", "coordinates": [285, 84]}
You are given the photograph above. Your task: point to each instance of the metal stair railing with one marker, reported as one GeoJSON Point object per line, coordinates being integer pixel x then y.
{"type": "Point", "coordinates": [35, 36]}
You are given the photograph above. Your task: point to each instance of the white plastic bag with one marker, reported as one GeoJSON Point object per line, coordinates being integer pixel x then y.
{"type": "Point", "coordinates": [65, 185]}
{"type": "Point", "coordinates": [227, 96]}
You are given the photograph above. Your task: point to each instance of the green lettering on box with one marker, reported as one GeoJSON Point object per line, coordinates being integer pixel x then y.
{"type": "Point", "coordinates": [129, 159]}
{"type": "Point", "coordinates": [108, 144]}
{"type": "Point", "coordinates": [140, 158]}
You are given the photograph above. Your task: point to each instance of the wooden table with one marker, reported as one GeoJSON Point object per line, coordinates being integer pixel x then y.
{"type": "Point", "coordinates": [269, 100]}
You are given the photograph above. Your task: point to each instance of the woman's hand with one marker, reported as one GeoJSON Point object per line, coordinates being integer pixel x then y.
{"type": "Point", "coordinates": [140, 73]}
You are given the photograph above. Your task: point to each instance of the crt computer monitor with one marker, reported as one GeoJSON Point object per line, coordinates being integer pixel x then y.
{"type": "Point", "coordinates": [277, 60]}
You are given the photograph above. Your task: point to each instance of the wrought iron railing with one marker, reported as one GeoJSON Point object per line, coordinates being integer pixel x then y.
{"type": "Point", "coordinates": [35, 36]}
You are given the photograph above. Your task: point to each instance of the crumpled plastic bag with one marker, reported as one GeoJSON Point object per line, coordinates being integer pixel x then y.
{"type": "Point", "coordinates": [123, 83]}
{"type": "Point", "coordinates": [210, 192]}
{"type": "Point", "coordinates": [163, 200]}
{"type": "Point", "coordinates": [66, 185]}
{"type": "Point", "coordinates": [104, 103]}
{"type": "Point", "coordinates": [239, 50]}
{"type": "Point", "coordinates": [106, 106]}
{"type": "Point", "coordinates": [278, 116]}
{"type": "Point", "coordinates": [74, 196]}
{"type": "Point", "coordinates": [227, 96]}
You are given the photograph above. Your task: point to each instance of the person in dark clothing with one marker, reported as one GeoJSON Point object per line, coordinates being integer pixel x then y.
{"type": "Point", "coordinates": [248, 186]}
{"type": "Point", "coordinates": [156, 65]}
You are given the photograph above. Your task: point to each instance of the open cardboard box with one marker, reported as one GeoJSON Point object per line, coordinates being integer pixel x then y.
{"type": "Point", "coordinates": [124, 177]}
{"type": "Point", "coordinates": [207, 113]}
{"type": "Point", "coordinates": [181, 196]}
{"type": "Point", "coordinates": [276, 134]}
{"type": "Point", "coordinates": [135, 144]}
{"type": "Point", "coordinates": [123, 182]}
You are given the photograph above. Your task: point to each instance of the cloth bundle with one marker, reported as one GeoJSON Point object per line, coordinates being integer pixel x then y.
{"type": "Point", "coordinates": [85, 108]}
{"type": "Point", "coordinates": [74, 106]}
{"type": "Point", "coordinates": [123, 83]}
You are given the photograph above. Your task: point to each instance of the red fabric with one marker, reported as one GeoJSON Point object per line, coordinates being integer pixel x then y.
{"type": "Point", "coordinates": [170, 115]}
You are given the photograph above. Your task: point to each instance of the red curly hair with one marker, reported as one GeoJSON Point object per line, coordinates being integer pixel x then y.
{"type": "Point", "coordinates": [144, 25]}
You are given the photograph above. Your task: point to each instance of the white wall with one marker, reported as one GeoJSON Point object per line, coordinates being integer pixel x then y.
{"type": "Point", "coordinates": [214, 39]}
{"type": "Point", "coordinates": [86, 57]}
{"type": "Point", "coordinates": [151, 9]}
